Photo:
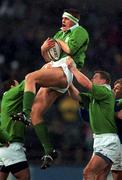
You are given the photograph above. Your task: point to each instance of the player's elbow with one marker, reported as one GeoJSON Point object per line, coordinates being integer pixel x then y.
{"type": "Point", "coordinates": [85, 83]}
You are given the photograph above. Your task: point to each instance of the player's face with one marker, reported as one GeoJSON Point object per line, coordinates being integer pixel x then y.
{"type": "Point", "coordinates": [118, 90]}
{"type": "Point", "coordinates": [66, 24]}
{"type": "Point", "coordinates": [97, 79]}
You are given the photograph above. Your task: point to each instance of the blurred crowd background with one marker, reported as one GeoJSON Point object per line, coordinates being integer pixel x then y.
{"type": "Point", "coordinates": [24, 25]}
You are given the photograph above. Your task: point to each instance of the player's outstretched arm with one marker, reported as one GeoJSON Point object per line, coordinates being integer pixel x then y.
{"type": "Point", "coordinates": [81, 78]}
{"type": "Point", "coordinates": [74, 92]}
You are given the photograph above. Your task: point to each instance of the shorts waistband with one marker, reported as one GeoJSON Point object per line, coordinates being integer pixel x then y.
{"type": "Point", "coordinates": [105, 134]}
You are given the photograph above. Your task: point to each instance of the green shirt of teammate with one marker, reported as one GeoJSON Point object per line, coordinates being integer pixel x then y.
{"type": "Point", "coordinates": [100, 101]}
{"type": "Point", "coordinates": [77, 39]}
{"type": "Point", "coordinates": [12, 104]}
{"type": "Point", "coordinates": [4, 136]}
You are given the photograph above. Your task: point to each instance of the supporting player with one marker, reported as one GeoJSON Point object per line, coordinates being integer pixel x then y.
{"type": "Point", "coordinates": [100, 102]}
{"type": "Point", "coordinates": [12, 154]}
{"type": "Point", "coordinates": [117, 166]}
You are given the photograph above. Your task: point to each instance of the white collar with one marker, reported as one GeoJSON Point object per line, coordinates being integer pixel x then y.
{"type": "Point", "coordinates": [107, 86]}
{"type": "Point", "coordinates": [73, 27]}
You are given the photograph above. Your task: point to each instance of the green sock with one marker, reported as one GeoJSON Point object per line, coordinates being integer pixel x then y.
{"type": "Point", "coordinates": [28, 100]}
{"type": "Point", "coordinates": [43, 135]}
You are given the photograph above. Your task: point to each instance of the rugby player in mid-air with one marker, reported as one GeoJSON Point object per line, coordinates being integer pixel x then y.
{"type": "Point", "coordinates": [55, 77]}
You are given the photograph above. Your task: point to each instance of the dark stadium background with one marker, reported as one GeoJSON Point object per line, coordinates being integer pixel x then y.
{"type": "Point", "coordinates": [24, 25]}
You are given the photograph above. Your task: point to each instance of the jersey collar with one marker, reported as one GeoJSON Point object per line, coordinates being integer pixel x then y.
{"type": "Point", "coordinates": [70, 29]}
{"type": "Point", "coordinates": [107, 86]}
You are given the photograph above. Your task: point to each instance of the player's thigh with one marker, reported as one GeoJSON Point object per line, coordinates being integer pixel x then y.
{"type": "Point", "coordinates": [103, 174]}
{"type": "Point", "coordinates": [117, 175]}
{"type": "Point", "coordinates": [50, 77]}
{"type": "Point", "coordinates": [97, 165]}
{"type": "Point", "coordinates": [3, 175]}
{"type": "Point", "coordinates": [44, 99]}
{"type": "Point", "coordinates": [24, 174]}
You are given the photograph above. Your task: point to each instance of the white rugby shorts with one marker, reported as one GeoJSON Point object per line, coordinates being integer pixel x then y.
{"type": "Point", "coordinates": [117, 165]}
{"type": "Point", "coordinates": [67, 72]}
{"type": "Point", "coordinates": [108, 145]}
{"type": "Point", "coordinates": [12, 154]}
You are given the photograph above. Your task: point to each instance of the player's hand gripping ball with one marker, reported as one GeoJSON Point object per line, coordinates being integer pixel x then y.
{"type": "Point", "coordinates": [54, 52]}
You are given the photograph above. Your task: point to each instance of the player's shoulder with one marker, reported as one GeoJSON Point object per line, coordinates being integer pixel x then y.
{"type": "Point", "coordinates": [81, 29]}
{"type": "Point", "coordinates": [104, 89]}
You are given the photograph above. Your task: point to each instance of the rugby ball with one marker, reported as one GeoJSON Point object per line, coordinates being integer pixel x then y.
{"type": "Point", "coordinates": [54, 52]}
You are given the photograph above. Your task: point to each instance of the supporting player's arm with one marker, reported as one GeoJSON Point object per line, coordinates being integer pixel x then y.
{"type": "Point", "coordinates": [74, 92]}
{"type": "Point", "coordinates": [81, 78]}
{"type": "Point", "coordinates": [82, 98]}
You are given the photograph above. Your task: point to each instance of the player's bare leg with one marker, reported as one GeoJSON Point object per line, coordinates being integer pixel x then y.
{"type": "Point", "coordinates": [43, 100]}
{"type": "Point", "coordinates": [103, 174]}
{"type": "Point", "coordinates": [95, 167]}
{"type": "Point", "coordinates": [117, 175]}
{"type": "Point", "coordinates": [23, 174]}
{"type": "Point", "coordinates": [46, 77]}
{"type": "Point", "coordinates": [3, 176]}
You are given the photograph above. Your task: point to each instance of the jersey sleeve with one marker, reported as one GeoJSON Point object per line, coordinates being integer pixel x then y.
{"type": "Point", "coordinates": [100, 92]}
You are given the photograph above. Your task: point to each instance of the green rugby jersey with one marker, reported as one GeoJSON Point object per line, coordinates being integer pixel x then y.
{"type": "Point", "coordinates": [100, 102]}
{"type": "Point", "coordinates": [12, 103]}
{"type": "Point", "coordinates": [77, 39]}
{"type": "Point", "coordinates": [4, 136]}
